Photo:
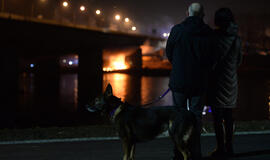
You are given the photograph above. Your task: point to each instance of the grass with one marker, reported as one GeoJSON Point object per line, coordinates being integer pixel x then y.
{"type": "Point", "coordinates": [102, 131]}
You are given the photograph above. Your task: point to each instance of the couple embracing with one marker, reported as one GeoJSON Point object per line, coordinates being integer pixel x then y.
{"type": "Point", "coordinates": [205, 62]}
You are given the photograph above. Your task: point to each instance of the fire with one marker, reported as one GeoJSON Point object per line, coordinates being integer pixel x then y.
{"type": "Point", "coordinates": [116, 63]}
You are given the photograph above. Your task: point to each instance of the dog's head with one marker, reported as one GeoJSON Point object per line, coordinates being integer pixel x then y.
{"type": "Point", "coordinates": [105, 103]}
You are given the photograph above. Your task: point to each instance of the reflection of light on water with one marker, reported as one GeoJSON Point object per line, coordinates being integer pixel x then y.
{"type": "Point", "coordinates": [153, 87]}
{"type": "Point", "coordinates": [119, 83]}
{"type": "Point", "coordinates": [76, 93]}
{"type": "Point", "coordinates": [269, 106]}
{"type": "Point", "coordinates": [268, 86]}
{"type": "Point", "coordinates": [69, 92]}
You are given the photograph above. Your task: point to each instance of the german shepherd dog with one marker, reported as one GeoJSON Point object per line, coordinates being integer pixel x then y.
{"type": "Point", "coordinates": [137, 124]}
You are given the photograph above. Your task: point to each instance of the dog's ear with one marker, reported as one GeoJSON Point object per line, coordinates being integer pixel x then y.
{"type": "Point", "coordinates": [108, 92]}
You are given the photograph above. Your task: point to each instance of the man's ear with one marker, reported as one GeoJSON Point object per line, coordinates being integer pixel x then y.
{"type": "Point", "coordinates": [108, 92]}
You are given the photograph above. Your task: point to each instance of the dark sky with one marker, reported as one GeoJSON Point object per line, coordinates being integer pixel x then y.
{"type": "Point", "coordinates": [162, 14]}
{"type": "Point", "coordinates": [152, 14]}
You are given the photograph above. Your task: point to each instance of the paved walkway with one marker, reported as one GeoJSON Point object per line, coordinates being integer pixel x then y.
{"type": "Point", "coordinates": [247, 147]}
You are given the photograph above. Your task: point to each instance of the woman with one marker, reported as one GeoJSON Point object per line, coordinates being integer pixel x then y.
{"type": "Point", "coordinates": [223, 89]}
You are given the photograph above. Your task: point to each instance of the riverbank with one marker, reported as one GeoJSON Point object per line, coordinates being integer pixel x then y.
{"type": "Point", "coordinates": [103, 131]}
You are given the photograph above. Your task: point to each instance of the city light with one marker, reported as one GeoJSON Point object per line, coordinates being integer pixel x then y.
{"type": "Point", "coordinates": [166, 35]}
{"type": "Point", "coordinates": [64, 61]}
{"type": "Point", "coordinates": [98, 12]}
{"type": "Point", "coordinates": [32, 65]}
{"type": "Point", "coordinates": [133, 28]}
{"type": "Point", "coordinates": [117, 17]}
{"type": "Point", "coordinates": [43, 1]}
{"type": "Point", "coordinates": [126, 20]}
{"type": "Point", "coordinates": [82, 8]}
{"type": "Point", "coordinates": [70, 63]}
{"type": "Point", "coordinates": [65, 4]}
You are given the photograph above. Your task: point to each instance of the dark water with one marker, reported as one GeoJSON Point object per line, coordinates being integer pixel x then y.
{"type": "Point", "coordinates": [253, 101]}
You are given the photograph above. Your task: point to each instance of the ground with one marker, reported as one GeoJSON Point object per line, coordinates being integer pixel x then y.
{"type": "Point", "coordinates": [247, 147]}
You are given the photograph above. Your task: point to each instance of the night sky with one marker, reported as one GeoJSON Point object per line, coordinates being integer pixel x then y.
{"type": "Point", "coordinates": [150, 14]}
{"type": "Point", "coordinates": [163, 14]}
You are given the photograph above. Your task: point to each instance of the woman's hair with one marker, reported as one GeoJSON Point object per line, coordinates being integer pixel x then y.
{"type": "Point", "coordinates": [223, 17]}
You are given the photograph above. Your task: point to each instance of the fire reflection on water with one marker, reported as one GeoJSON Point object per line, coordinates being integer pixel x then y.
{"type": "Point", "coordinates": [69, 92]}
{"type": "Point", "coordinates": [153, 87]}
{"type": "Point", "coordinates": [144, 89]}
{"type": "Point", "coordinates": [269, 106]}
{"type": "Point", "coordinates": [268, 98]}
{"type": "Point", "coordinates": [119, 83]}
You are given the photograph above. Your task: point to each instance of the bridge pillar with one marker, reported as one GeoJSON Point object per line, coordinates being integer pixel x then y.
{"type": "Point", "coordinates": [47, 88]}
{"type": "Point", "coordinates": [90, 76]}
{"type": "Point", "coordinates": [9, 86]}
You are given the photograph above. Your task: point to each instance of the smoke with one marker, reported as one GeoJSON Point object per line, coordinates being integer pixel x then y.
{"type": "Point", "coordinates": [157, 26]}
{"type": "Point", "coordinates": [148, 48]}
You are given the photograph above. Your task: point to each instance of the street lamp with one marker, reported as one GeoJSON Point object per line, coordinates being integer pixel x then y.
{"type": "Point", "coordinates": [117, 17]}
{"type": "Point", "coordinates": [65, 4]}
{"type": "Point", "coordinates": [82, 8]}
{"type": "Point", "coordinates": [98, 12]}
{"type": "Point", "coordinates": [126, 20]}
{"type": "Point", "coordinates": [133, 28]}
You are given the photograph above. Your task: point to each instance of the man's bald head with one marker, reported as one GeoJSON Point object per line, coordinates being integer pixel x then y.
{"type": "Point", "coordinates": [196, 9]}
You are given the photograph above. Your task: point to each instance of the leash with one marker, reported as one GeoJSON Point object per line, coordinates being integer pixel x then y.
{"type": "Point", "coordinates": [158, 99]}
{"type": "Point", "coordinates": [147, 104]}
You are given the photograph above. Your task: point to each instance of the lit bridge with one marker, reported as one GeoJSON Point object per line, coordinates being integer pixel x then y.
{"type": "Point", "coordinates": [46, 41]}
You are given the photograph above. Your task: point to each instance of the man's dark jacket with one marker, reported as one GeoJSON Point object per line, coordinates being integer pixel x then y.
{"type": "Point", "coordinates": [190, 52]}
{"type": "Point", "coordinates": [223, 84]}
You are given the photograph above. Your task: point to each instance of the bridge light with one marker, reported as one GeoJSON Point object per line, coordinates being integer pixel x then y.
{"type": "Point", "coordinates": [82, 8]}
{"type": "Point", "coordinates": [126, 20]}
{"type": "Point", "coordinates": [65, 4]}
{"type": "Point", "coordinates": [133, 28]}
{"type": "Point", "coordinates": [98, 12]}
{"type": "Point", "coordinates": [117, 17]}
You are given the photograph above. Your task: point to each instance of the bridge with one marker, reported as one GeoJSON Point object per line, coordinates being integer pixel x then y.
{"type": "Point", "coordinates": [26, 38]}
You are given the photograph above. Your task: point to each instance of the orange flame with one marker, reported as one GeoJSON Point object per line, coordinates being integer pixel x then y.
{"type": "Point", "coordinates": [116, 63]}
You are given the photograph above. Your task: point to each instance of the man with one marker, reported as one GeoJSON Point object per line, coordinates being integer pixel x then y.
{"type": "Point", "coordinates": [188, 49]}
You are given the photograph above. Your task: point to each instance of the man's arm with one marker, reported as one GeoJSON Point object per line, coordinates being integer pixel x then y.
{"type": "Point", "coordinates": [171, 43]}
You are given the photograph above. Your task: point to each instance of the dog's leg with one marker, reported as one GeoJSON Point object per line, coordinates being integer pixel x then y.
{"type": "Point", "coordinates": [125, 149]}
{"type": "Point", "coordinates": [128, 149]}
{"type": "Point", "coordinates": [184, 153]}
{"type": "Point", "coordinates": [132, 151]}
